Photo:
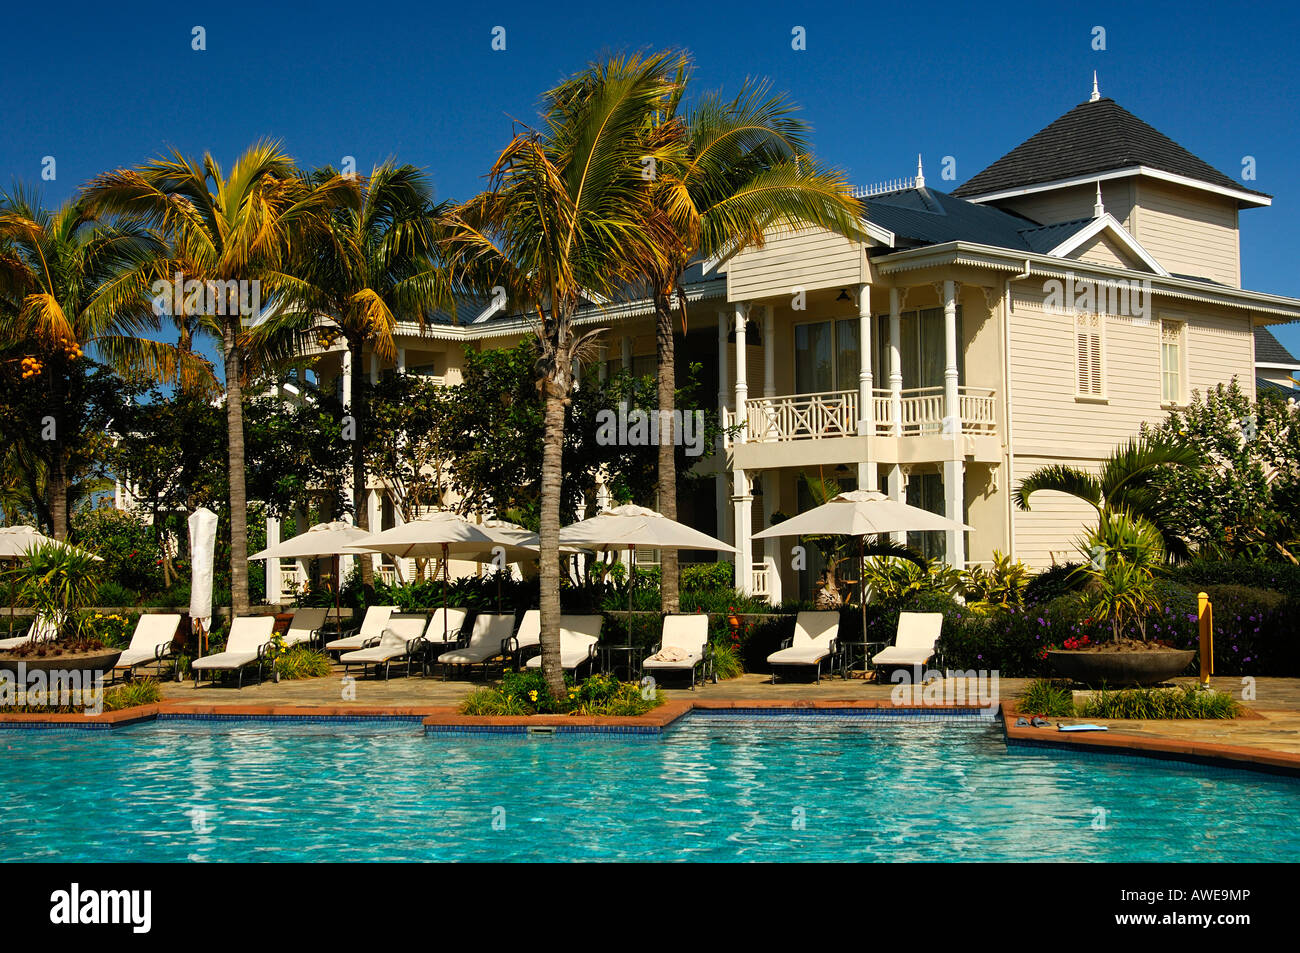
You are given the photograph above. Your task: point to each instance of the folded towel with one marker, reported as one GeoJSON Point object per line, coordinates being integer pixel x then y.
{"type": "Point", "coordinates": [670, 653]}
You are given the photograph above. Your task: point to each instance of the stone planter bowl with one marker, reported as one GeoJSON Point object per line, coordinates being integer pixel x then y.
{"type": "Point", "coordinates": [1120, 669]}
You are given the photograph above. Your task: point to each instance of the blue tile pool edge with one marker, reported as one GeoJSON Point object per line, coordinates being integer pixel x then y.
{"type": "Point", "coordinates": [1146, 754]}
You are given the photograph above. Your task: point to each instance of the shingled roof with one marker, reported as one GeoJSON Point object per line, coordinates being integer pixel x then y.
{"type": "Point", "coordinates": [1269, 350]}
{"type": "Point", "coordinates": [1093, 137]}
{"type": "Point", "coordinates": [927, 216]}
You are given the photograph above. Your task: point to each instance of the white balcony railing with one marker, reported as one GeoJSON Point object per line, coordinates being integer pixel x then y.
{"type": "Point", "coordinates": [835, 414]}
{"type": "Point", "coordinates": [760, 582]}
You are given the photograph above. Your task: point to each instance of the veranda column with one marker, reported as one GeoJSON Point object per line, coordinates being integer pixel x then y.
{"type": "Point", "coordinates": [954, 468]}
{"type": "Point", "coordinates": [272, 565]}
{"type": "Point", "coordinates": [720, 487]}
{"type": "Point", "coordinates": [744, 500]}
{"type": "Point", "coordinates": [897, 491]}
{"type": "Point", "coordinates": [625, 352]}
{"type": "Point", "coordinates": [772, 547]}
{"type": "Point", "coordinates": [401, 360]}
{"type": "Point", "coordinates": [744, 543]}
{"type": "Point", "coordinates": [867, 479]}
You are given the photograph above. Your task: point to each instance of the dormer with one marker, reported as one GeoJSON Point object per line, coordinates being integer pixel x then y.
{"type": "Point", "coordinates": [1177, 207]}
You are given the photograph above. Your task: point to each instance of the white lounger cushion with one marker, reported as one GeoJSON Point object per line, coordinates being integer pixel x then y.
{"type": "Point", "coordinates": [303, 624]}
{"type": "Point", "coordinates": [392, 644]}
{"type": "Point", "coordinates": [813, 632]}
{"type": "Point", "coordinates": [151, 631]}
{"type": "Point", "coordinates": [529, 632]}
{"type": "Point", "coordinates": [489, 631]}
{"type": "Point", "coordinates": [578, 633]}
{"type": "Point", "coordinates": [372, 626]}
{"type": "Point", "coordinates": [918, 633]}
{"type": "Point", "coordinates": [436, 629]}
{"type": "Point", "coordinates": [41, 630]}
{"type": "Point", "coordinates": [683, 642]}
{"type": "Point", "coordinates": [247, 636]}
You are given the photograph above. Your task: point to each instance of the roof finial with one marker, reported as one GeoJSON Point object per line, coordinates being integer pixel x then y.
{"type": "Point", "coordinates": [1098, 210]}
{"type": "Point", "coordinates": [920, 176]}
{"type": "Point", "coordinates": [1096, 93]}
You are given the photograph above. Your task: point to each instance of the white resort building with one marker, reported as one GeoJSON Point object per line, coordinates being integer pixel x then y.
{"type": "Point", "coordinates": [1085, 282]}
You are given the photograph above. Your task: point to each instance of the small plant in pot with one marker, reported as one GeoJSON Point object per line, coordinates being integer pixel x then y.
{"type": "Point", "coordinates": [1124, 555]}
{"type": "Point", "coordinates": [58, 582]}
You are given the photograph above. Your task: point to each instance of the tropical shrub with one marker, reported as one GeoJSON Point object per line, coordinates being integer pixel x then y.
{"type": "Point", "coordinates": [301, 661]}
{"type": "Point", "coordinates": [113, 630]}
{"type": "Point", "coordinates": [127, 544]}
{"type": "Point", "coordinates": [525, 693]}
{"type": "Point", "coordinates": [58, 581]}
{"type": "Point", "coordinates": [1048, 698]}
{"type": "Point", "coordinates": [139, 691]}
{"type": "Point", "coordinates": [1053, 582]}
{"type": "Point", "coordinates": [1000, 586]}
{"type": "Point", "coordinates": [1186, 702]}
{"type": "Point", "coordinates": [897, 582]}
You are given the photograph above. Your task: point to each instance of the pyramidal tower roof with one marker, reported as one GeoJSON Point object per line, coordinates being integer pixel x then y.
{"type": "Point", "coordinates": [1095, 137]}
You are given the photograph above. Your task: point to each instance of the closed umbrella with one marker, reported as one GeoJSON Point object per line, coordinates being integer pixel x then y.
{"type": "Point", "coordinates": [324, 539]}
{"type": "Point", "coordinates": [437, 534]}
{"type": "Point", "coordinates": [632, 526]}
{"type": "Point", "coordinates": [861, 513]}
{"type": "Point", "coordinates": [203, 549]}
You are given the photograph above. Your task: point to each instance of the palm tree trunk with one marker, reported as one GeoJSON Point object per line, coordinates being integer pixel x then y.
{"type": "Point", "coordinates": [57, 475]}
{"type": "Point", "coordinates": [668, 572]}
{"type": "Point", "coordinates": [549, 536]}
{"type": "Point", "coordinates": [238, 488]}
{"type": "Point", "coordinates": [360, 495]}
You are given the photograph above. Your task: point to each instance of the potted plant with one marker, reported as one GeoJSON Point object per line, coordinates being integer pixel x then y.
{"type": "Point", "coordinates": [59, 581]}
{"type": "Point", "coordinates": [1124, 554]}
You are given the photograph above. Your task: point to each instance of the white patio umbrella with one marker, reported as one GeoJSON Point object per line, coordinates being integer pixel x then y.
{"type": "Point", "coordinates": [324, 539]}
{"type": "Point", "coordinates": [17, 543]}
{"type": "Point", "coordinates": [203, 548]}
{"type": "Point", "coordinates": [861, 513]}
{"type": "Point", "coordinates": [437, 534]}
{"type": "Point", "coordinates": [632, 526]}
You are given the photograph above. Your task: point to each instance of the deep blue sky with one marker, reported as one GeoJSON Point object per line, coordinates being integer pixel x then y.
{"type": "Point", "coordinates": [99, 85]}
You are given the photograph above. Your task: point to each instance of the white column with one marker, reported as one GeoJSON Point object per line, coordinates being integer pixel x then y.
{"type": "Point", "coordinates": [272, 565]}
{"type": "Point", "coordinates": [374, 368]}
{"type": "Point", "coordinates": [401, 360]}
{"type": "Point", "coordinates": [954, 469]}
{"type": "Point", "coordinates": [954, 498]}
{"type": "Point", "coordinates": [744, 543]}
{"type": "Point", "coordinates": [894, 481]}
{"type": "Point", "coordinates": [772, 547]}
{"type": "Point", "coordinates": [301, 526]}
{"type": "Point", "coordinates": [866, 389]}
{"type": "Point", "coordinates": [720, 488]}
{"type": "Point", "coordinates": [742, 380]}
{"type": "Point", "coordinates": [951, 402]}
{"type": "Point", "coordinates": [625, 351]}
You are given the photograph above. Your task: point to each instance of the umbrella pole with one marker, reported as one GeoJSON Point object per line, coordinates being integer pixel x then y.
{"type": "Point", "coordinates": [338, 609]}
{"type": "Point", "coordinates": [631, 579]}
{"type": "Point", "coordinates": [444, 593]}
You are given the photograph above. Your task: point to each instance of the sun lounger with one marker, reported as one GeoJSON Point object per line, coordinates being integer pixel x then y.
{"type": "Point", "coordinates": [579, 635]}
{"type": "Point", "coordinates": [246, 644]}
{"type": "Point", "coordinates": [151, 642]}
{"type": "Point", "coordinates": [440, 637]}
{"type": "Point", "coordinates": [41, 630]}
{"type": "Point", "coordinates": [526, 638]}
{"type": "Point", "coordinates": [918, 633]}
{"type": "Point", "coordinates": [403, 637]}
{"type": "Point", "coordinates": [372, 626]}
{"type": "Point", "coordinates": [305, 627]}
{"type": "Point", "coordinates": [488, 640]}
{"type": "Point", "coordinates": [815, 640]}
{"type": "Point", "coordinates": [683, 647]}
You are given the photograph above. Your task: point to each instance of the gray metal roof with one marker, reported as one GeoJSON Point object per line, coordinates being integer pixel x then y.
{"type": "Point", "coordinates": [1269, 350]}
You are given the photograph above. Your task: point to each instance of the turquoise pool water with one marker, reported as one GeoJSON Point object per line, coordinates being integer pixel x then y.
{"type": "Point", "coordinates": [734, 789]}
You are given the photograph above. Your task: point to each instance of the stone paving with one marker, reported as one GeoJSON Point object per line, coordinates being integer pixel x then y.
{"type": "Point", "coordinates": [1272, 721]}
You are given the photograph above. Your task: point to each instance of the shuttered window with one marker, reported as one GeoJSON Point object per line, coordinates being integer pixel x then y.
{"type": "Point", "coordinates": [1171, 362]}
{"type": "Point", "coordinates": [1087, 349]}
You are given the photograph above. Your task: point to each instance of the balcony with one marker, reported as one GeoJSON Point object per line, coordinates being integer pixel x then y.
{"type": "Point", "coordinates": [835, 414]}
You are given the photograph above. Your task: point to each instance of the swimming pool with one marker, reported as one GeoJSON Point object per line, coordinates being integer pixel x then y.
{"type": "Point", "coordinates": [712, 788]}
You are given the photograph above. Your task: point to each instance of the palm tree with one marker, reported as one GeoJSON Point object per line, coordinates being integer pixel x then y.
{"type": "Point", "coordinates": [737, 169]}
{"type": "Point", "coordinates": [227, 232]}
{"type": "Point", "coordinates": [70, 282]}
{"type": "Point", "coordinates": [378, 263]}
{"type": "Point", "coordinates": [566, 217]}
{"type": "Point", "coordinates": [1122, 486]}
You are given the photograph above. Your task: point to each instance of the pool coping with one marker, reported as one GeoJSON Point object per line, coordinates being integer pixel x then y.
{"type": "Point", "coordinates": [442, 719]}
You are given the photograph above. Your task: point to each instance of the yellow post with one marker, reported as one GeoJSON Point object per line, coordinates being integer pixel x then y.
{"type": "Point", "coordinates": [1205, 617]}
